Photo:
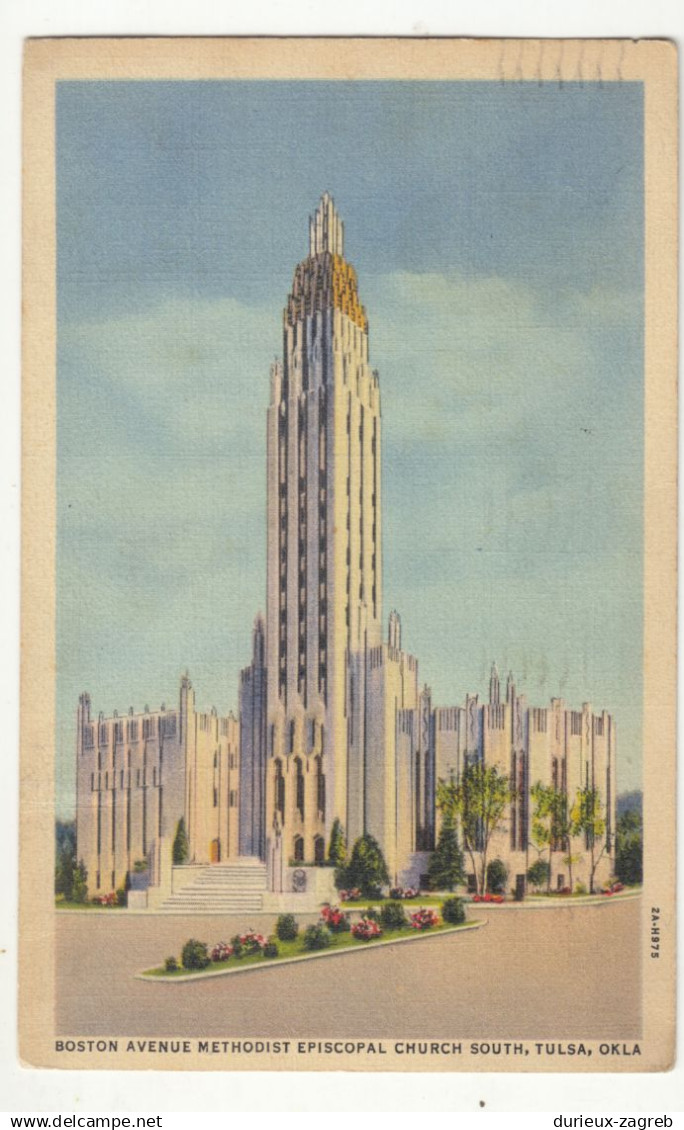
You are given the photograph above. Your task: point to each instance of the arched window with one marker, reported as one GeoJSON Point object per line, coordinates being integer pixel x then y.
{"type": "Point", "coordinates": [280, 789]}
{"type": "Point", "coordinates": [300, 787]}
{"type": "Point", "coordinates": [320, 789]}
{"type": "Point", "coordinates": [299, 849]}
{"type": "Point", "coordinates": [319, 849]}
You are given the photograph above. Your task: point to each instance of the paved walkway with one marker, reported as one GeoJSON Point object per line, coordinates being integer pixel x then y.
{"type": "Point", "coordinates": [570, 972]}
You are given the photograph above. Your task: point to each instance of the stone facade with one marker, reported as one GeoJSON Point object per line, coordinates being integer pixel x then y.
{"type": "Point", "coordinates": [137, 775]}
{"type": "Point", "coordinates": [333, 723]}
{"type": "Point", "coordinates": [553, 745]}
{"type": "Point", "coordinates": [324, 564]}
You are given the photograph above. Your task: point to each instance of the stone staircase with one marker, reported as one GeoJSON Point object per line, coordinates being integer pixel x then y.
{"type": "Point", "coordinates": [218, 888]}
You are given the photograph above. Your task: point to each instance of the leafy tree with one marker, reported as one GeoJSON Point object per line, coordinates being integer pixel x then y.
{"type": "Point", "coordinates": [445, 869]}
{"type": "Point", "coordinates": [480, 800]}
{"type": "Point", "coordinates": [587, 819]}
{"type": "Point", "coordinates": [337, 848]}
{"type": "Point", "coordinates": [366, 868]}
{"type": "Point", "coordinates": [65, 858]}
{"type": "Point", "coordinates": [79, 887]}
{"type": "Point", "coordinates": [629, 848]}
{"type": "Point", "coordinates": [181, 847]}
{"type": "Point", "coordinates": [538, 874]}
{"type": "Point", "coordinates": [552, 824]}
{"type": "Point", "coordinates": [497, 874]}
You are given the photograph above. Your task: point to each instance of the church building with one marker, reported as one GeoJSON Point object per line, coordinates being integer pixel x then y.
{"type": "Point", "coordinates": [333, 723]}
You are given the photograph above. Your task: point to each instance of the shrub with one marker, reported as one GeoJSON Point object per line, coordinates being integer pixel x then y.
{"type": "Point", "coordinates": [140, 866]}
{"type": "Point", "coordinates": [580, 888]}
{"type": "Point", "coordinates": [317, 937]}
{"type": "Point", "coordinates": [366, 929]}
{"type": "Point", "coordinates": [424, 919]}
{"type": "Point", "coordinates": [236, 946]}
{"type": "Point", "coordinates": [194, 955]}
{"type": "Point", "coordinates": [393, 916]}
{"type": "Point", "coordinates": [109, 899]}
{"type": "Point", "coordinates": [121, 897]}
{"type": "Point", "coordinates": [170, 965]}
{"type": "Point", "coordinates": [372, 912]}
{"type": "Point", "coordinates": [404, 892]}
{"type": "Point", "coordinates": [538, 874]}
{"type": "Point", "coordinates": [497, 875]}
{"type": "Point", "coordinates": [445, 869]}
{"type": "Point", "coordinates": [221, 952]}
{"type": "Point", "coordinates": [335, 919]}
{"type": "Point", "coordinates": [350, 895]}
{"type": "Point", "coordinates": [79, 883]}
{"type": "Point", "coordinates": [271, 949]}
{"type": "Point", "coordinates": [453, 911]}
{"type": "Point", "coordinates": [252, 942]}
{"type": "Point", "coordinates": [366, 868]}
{"type": "Point", "coordinates": [181, 847]}
{"type": "Point", "coordinates": [287, 928]}
{"type": "Point", "coordinates": [337, 848]}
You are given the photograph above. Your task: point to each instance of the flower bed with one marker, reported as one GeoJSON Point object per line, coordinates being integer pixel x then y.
{"type": "Point", "coordinates": [221, 952]}
{"type": "Point", "coordinates": [318, 939]}
{"type": "Point", "coordinates": [488, 898]}
{"type": "Point", "coordinates": [335, 919]}
{"type": "Point", "coordinates": [253, 943]}
{"type": "Point", "coordinates": [404, 893]}
{"type": "Point", "coordinates": [366, 929]}
{"type": "Point", "coordinates": [352, 895]}
{"type": "Point", "coordinates": [613, 889]}
{"type": "Point", "coordinates": [110, 899]}
{"type": "Point", "coordinates": [424, 919]}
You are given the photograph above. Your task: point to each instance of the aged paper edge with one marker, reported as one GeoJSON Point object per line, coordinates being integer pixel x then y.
{"type": "Point", "coordinates": [46, 61]}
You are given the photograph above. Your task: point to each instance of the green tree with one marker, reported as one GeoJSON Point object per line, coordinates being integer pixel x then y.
{"type": "Point", "coordinates": [445, 869]}
{"type": "Point", "coordinates": [480, 800]}
{"type": "Point", "coordinates": [337, 848]}
{"type": "Point", "coordinates": [79, 887]}
{"type": "Point", "coordinates": [366, 869]}
{"type": "Point", "coordinates": [629, 848]}
{"type": "Point", "coordinates": [538, 874]}
{"type": "Point", "coordinates": [540, 827]}
{"type": "Point", "coordinates": [552, 824]}
{"type": "Point", "coordinates": [181, 847]}
{"type": "Point", "coordinates": [497, 876]}
{"type": "Point", "coordinates": [587, 819]}
{"type": "Point", "coordinates": [65, 858]}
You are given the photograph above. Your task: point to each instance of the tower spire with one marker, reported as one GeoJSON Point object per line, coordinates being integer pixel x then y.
{"type": "Point", "coordinates": [326, 230]}
{"type": "Point", "coordinates": [494, 685]}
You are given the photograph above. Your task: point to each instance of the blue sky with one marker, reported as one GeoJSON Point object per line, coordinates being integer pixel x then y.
{"type": "Point", "coordinates": [497, 231]}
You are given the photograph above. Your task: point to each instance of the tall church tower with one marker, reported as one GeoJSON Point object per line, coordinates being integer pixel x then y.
{"type": "Point", "coordinates": [324, 570]}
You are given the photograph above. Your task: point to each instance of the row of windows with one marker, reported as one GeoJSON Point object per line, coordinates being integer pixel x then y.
{"type": "Point", "coordinates": [124, 780]}
{"type": "Point", "coordinates": [232, 760]}
{"type": "Point", "coordinates": [113, 824]}
{"type": "Point", "coordinates": [318, 849]}
{"type": "Point", "coordinates": [164, 725]}
{"type": "Point", "coordinates": [299, 789]}
{"type": "Point", "coordinates": [232, 798]}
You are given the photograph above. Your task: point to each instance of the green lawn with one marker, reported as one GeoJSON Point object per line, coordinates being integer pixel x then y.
{"type": "Point", "coordinates": [295, 949]}
{"type": "Point", "coordinates": [63, 904]}
{"type": "Point", "coordinates": [409, 904]}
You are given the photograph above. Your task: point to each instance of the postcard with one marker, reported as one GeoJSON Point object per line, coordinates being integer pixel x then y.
{"type": "Point", "coordinates": [349, 555]}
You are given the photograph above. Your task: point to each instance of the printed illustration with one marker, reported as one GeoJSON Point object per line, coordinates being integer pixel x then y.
{"type": "Point", "coordinates": [350, 568]}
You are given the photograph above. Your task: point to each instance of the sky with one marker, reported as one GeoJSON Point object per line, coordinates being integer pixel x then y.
{"type": "Point", "coordinates": [497, 232]}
